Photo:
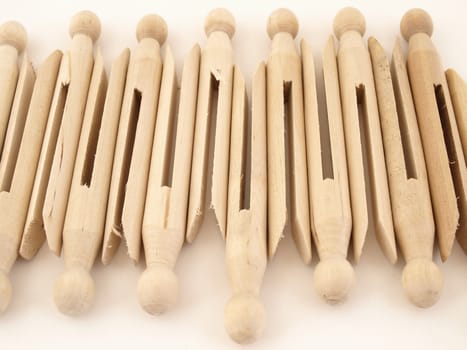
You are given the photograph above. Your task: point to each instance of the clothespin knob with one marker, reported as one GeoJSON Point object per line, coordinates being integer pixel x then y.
{"type": "Point", "coordinates": [87, 23]}
{"type": "Point", "coordinates": [157, 289]}
{"type": "Point", "coordinates": [416, 21]}
{"type": "Point", "coordinates": [74, 291]}
{"type": "Point", "coordinates": [280, 21]}
{"type": "Point", "coordinates": [220, 19]}
{"type": "Point", "coordinates": [349, 19]}
{"type": "Point", "coordinates": [13, 33]}
{"type": "Point", "coordinates": [152, 26]}
{"type": "Point", "coordinates": [422, 282]}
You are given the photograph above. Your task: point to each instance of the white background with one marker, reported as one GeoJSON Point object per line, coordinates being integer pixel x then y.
{"type": "Point", "coordinates": [376, 316]}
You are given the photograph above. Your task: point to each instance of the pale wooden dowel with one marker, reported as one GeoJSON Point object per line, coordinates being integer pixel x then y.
{"type": "Point", "coordinates": [84, 223]}
{"type": "Point", "coordinates": [331, 217]}
{"type": "Point", "coordinates": [84, 31]}
{"type": "Point", "coordinates": [445, 162]}
{"type": "Point", "coordinates": [216, 73]}
{"type": "Point", "coordinates": [286, 137]}
{"type": "Point", "coordinates": [246, 241]}
{"type": "Point", "coordinates": [15, 169]}
{"type": "Point", "coordinates": [361, 124]}
{"type": "Point", "coordinates": [165, 214]}
{"type": "Point", "coordinates": [134, 140]}
{"type": "Point", "coordinates": [408, 182]}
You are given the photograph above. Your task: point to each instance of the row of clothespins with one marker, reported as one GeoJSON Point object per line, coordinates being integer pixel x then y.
{"type": "Point", "coordinates": [87, 161]}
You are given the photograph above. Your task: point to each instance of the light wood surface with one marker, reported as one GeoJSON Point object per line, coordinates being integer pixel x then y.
{"type": "Point", "coordinates": [363, 138]}
{"type": "Point", "coordinates": [134, 141]}
{"type": "Point", "coordinates": [84, 31]}
{"type": "Point", "coordinates": [331, 217]}
{"type": "Point", "coordinates": [84, 222]}
{"type": "Point", "coordinates": [442, 147]}
{"type": "Point", "coordinates": [408, 182]}
{"type": "Point", "coordinates": [287, 170]}
{"type": "Point", "coordinates": [458, 92]}
{"type": "Point", "coordinates": [246, 241]}
{"type": "Point", "coordinates": [214, 92]}
{"type": "Point", "coordinates": [34, 234]}
{"type": "Point", "coordinates": [164, 222]}
{"type": "Point", "coordinates": [41, 102]}
{"type": "Point", "coordinates": [13, 39]}
{"type": "Point", "coordinates": [16, 86]}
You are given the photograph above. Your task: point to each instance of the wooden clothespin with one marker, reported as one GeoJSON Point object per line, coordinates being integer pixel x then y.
{"type": "Point", "coordinates": [165, 214]}
{"type": "Point", "coordinates": [287, 170]}
{"type": "Point", "coordinates": [35, 130]}
{"type": "Point", "coordinates": [364, 144]}
{"type": "Point", "coordinates": [330, 214]}
{"type": "Point", "coordinates": [408, 182]}
{"type": "Point", "coordinates": [135, 140]}
{"type": "Point", "coordinates": [85, 216]}
{"type": "Point", "coordinates": [46, 213]}
{"type": "Point", "coordinates": [246, 241]}
{"type": "Point", "coordinates": [445, 162]}
{"type": "Point", "coordinates": [84, 30]}
{"type": "Point", "coordinates": [214, 92]}
{"type": "Point", "coordinates": [16, 173]}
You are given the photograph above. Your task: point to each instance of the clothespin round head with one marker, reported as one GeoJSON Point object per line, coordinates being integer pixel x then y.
{"type": "Point", "coordinates": [244, 318]}
{"type": "Point", "coordinates": [349, 19]}
{"type": "Point", "coordinates": [282, 20]}
{"type": "Point", "coordinates": [13, 33]}
{"type": "Point", "coordinates": [157, 289]}
{"type": "Point", "coordinates": [333, 279]}
{"type": "Point", "coordinates": [422, 282]}
{"type": "Point", "coordinates": [87, 23]}
{"type": "Point", "coordinates": [152, 26]}
{"type": "Point", "coordinates": [74, 292]}
{"type": "Point", "coordinates": [5, 291]}
{"type": "Point", "coordinates": [416, 21]}
{"type": "Point", "coordinates": [220, 19]}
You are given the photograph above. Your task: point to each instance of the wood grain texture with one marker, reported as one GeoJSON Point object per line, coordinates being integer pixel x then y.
{"type": "Point", "coordinates": [84, 29]}
{"type": "Point", "coordinates": [34, 228]}
{"type": "Point", "coordinates": [34, 131]}
{"type": "Point", "coordinates": [215, 77]}
{"type": "Point", "coordinates": [458, 92]}
{"type": "Point", "coordinates": [331, 217]}
{"type": "Point", "coordinates": [408, 182]}
{"type": "Point", "coordinates": [13, 40]}
{"type": "Point", "coordinates": [287, 169]}
{"type": "Point", "coordinates": [16, 176]}
{"type": "Point", "coordinates": [442, 147]}
{"type": "Point", "coordinates": [85, 217]}
{"type": "Point", "coordinates": [165, 214]}
{"type": "Point", "coordinates": [362, 125]}
{"type": "Point", "coordinates": [134, 141]}
{"type": "Point", "coordinates": [246, 242]}
{"type": "Point", "coordinates": [84, 222]}
{"type": "Point", "coordinates": [79, 239]}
